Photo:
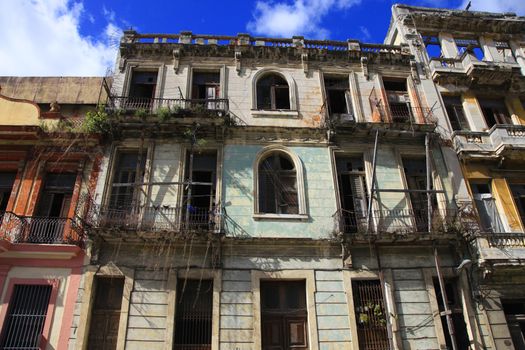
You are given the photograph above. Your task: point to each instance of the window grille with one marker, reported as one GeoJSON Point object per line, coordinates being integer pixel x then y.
{"type": "Point", "coordinates": [194, 311]}
{"type": "Point", "coordinates": [370, 315]}
{"type": "Point", "coordinates": [26, 316]}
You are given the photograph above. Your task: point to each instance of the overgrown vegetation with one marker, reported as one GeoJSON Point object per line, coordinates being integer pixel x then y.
{"type": "Point", "coordinates": [96, 121]}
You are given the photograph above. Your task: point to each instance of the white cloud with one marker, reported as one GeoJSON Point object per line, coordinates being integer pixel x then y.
{"type": "Point", "coordinates": [302, 17]}
{"type": "Point", "coordinates": [517, 6]}
{"type": "Point", "coordinates": [365, 33]}
{"type": "Point", "coordinates": [42, 37]}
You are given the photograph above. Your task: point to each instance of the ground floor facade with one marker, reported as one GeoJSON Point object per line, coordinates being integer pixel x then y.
{"type": "Point", "coordinates": [282, 295]}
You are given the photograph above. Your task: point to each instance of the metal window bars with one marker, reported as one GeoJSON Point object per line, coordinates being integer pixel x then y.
{"type": "Point", "coordinates": [26, 317]}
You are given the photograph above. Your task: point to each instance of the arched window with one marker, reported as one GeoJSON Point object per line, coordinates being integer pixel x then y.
{"type": "Point", "coordinates": [273, 92]}
{"type": "Point", "coordinates": [278, 184]}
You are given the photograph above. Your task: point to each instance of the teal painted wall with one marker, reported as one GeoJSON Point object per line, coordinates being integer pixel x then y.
{"type": "Point", "coordinates": [238, 195]}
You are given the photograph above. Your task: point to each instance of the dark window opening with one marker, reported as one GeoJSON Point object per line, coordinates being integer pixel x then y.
{"type": "Point", "coordinates": [455, 306]}
{"type": "Point", "coordinates": [193, 316]}
{"type": "Point", "coordinates": [199, 207]}
{"type": "Point", "coordinates": [338, 96]}
{"type": "Point", "coordinates": [518, 193]}
{"type": "Point", "coordinates": [415, 169]}
{"type": "Point", "coordinates": [370, 315]}
{"type": "Point", "coordinates": [486, 206]}
{"type": "Point", "coordinates": [272, 93]}
{"type": "Point", "coordinates": [398, 99]}
{"type": "Point", "coordinates": [206, 86]}
{"type": "Point", "coordinates": [515, 316]}
{"type": "Point", "coordinates": [26, 316]}
{"type": "Point", "coordinates": [455, 112]}
{"type": "Point", "coordinates": [52, 210]}
{"type": "Point", "coordinates": [105, 315]}
{"type": "Point", "coordinates": [433, 46]}
{"type": "Point", "coordinates": [278, 185]}
{"type": "Point", "coordinates": [141, 90]}
{"type": "Point", "coordinates": [6, 185]}
{"type": "Point", "coordinates": [470, 45]}
{"type": "Point", "coordinates": [143, 84]}
{"type": "Point", "coordinates": [353, 192]}
{"type": "Point", "coordinates": [495, 111]}
{"type": "Point", "coordinates": [284, 315]}
{"type": "Point", "coordinates": [128, 171]}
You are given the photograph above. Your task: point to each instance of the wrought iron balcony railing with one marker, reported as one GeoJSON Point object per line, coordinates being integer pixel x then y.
{"type": "Point", "coordinates": [157, 219]}
{"type": "Point", "coordinates": [217, 107]}
{"type": "Point", "coordinates": [40, 230]}
{"type": "Point", "coordinates": [401, 221]}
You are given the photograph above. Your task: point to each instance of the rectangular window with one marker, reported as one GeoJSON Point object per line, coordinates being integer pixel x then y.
{"type": "Point", "coordinates": [398, 100]}
{"type": "Point", "coordinates": [199, 199]}
{"type": "Point", "coordinates": [486, 205]}
{"type": "Point", "coordinates": [105, 314]}
{"type": "Point", "coordinates": [26, 316]}
{"type": "Point", "coordinates": [415, 170]}
{"type": "Point", "coordinates": [206, 89]}
{"type": "Point", "coordinates": [193, 316]}
{"type": "Point", "coordinates": [129, 169]}
{"type": "Point", "coordinates": [472, 45]}
{"type": "Point", "coordinates": [141, 90]}
{"type": "Point", "coordinates": [338, 98]}
{"type": "Point", "coordinates": [518, 193]}
{"type": "Point", "coordinates": [370, 315]}
{"type": "Point", "coordinates": [284, 315]}
{"type": "Point", "coordinates": [495, 111]}
{"type": "Point", "coordinates": [353, 193]}
{"type": "Point", "coordinates": [515, 315]}
{"type": "Point", "coordinates": [455, 112]}
{"type": "Point", "coordinates": [432, 45]}
{"type": "Point", "coordinates": [6, 185]}
{"type": "Point", "coordinates": [456, 308]}
{"type": "Point", "coordinates": [47, 226]}
{"type": "Point", "coordinates": [505, 51]}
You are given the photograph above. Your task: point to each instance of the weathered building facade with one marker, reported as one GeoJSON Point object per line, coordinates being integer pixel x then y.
{"type": "Point", "coordinates": [258, 193]}
{"type": "Point", "coordinates": [261, 193]}
{"type": "Point", "coordinates": [476, 62]}
{"type": "Point", "coordinates": [46, 162]}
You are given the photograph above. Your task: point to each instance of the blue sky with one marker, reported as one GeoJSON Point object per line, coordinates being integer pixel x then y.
{"type": "Point", "coordinates": [80, 37]}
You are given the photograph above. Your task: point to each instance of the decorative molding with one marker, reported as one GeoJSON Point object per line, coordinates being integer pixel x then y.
{"type": "Point", "coordinates": [176, 54]}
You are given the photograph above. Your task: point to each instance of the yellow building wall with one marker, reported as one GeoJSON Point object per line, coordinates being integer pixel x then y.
{"type": "Point", "coordinates": [14, 112]}
{"type": "Point", "coordinates": [517, 108]}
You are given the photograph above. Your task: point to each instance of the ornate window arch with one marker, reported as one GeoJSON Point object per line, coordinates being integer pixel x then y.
{"type": "Point", "coordinates": [273, 91]}
{"type": "Point", "coordinates": [279, 184]}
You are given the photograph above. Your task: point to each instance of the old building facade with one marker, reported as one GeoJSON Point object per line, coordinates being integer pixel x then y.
{"type": "Point", "coordinates": [255, 193]}
{"type": "Point", "coordinates": [476, 63]}
{"type": "Point", "coordinates": [46, 162]}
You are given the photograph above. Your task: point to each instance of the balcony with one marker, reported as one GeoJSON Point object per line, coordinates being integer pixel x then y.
{"type": "Point", "coordinates": [402, 116]}
{"type": "Point", "coordinates": [402, 223]}
{"type": "Point", "coordinates": [500, 140]}
{"type": "Point", "coordinates": [153, 221]}
{"type": "Point", "coordinates": [167, 108]}
{"type": "Point", "coordinates": [467, 69]}
{"type": "Point", "coordinates": [40, 230]}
